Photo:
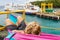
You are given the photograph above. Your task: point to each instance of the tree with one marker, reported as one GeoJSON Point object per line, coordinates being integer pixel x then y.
{"type": "Point", "coordinates": [56, 3]}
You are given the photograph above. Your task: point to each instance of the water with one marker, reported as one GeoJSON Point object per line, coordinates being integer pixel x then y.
{"type": "Point", "coordinates": [44, 22]}
{"type": "Point", "coordinates": [41, 21]}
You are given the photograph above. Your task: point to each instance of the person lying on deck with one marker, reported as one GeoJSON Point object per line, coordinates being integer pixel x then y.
{"type": "Point", "coordinates": [31, 28]}
{"type": "Point", "coordinates": [11, 26]}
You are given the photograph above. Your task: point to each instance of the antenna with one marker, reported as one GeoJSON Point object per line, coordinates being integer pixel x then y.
{"type": "Point", "coordinates": [12, 3]}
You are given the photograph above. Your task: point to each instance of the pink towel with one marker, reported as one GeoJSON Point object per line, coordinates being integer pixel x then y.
{"type": "Point", "coordinates": [43, 36]}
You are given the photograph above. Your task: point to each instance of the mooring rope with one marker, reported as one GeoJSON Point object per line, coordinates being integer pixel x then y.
{"type": "Point", "coordinates": [50, 28]}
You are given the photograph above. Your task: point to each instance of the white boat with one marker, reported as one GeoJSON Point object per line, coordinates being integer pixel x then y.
{"type": "Point", "coordinates": [32, 9]}
{"type": "Point", "coordinates": [28, 8]}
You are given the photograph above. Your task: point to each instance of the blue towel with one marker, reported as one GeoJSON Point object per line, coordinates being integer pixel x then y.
{"type": "Point", "coordinates": [13, 18]}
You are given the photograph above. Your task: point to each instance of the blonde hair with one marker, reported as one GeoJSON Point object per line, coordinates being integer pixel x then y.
{"type": "Point", "coordinates": [28, 29]}
{"type": "Point", "coordinates": [33, 28]}
{"type": "Point", "coordinates": [36, 29]}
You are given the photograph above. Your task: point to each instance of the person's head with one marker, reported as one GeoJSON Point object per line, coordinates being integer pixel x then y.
{"type": "Point", "coordinates": [28, 29]}
{"type": "Point", "coordinates": [36, 29]}
{"type": "Point", "coordinates": [33, 28]}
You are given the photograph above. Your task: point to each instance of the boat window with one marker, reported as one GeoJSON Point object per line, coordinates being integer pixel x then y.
{"type": "Point", "coordinates": [31, 6]}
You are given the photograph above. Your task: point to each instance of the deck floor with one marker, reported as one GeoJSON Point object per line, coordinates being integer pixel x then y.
{"type": "Point", "coordinates": [3, 34]}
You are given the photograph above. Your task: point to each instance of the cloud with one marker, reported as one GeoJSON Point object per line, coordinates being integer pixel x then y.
{"type": "Point", "coordinates": [28, 0]}
{"type": "Point", "coordinates": [3, 2]}
{"type": "Point", "coordinates": [33, 0]}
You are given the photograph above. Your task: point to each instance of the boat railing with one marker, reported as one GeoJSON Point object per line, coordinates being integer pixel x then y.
{"type": "Point", "coordinates": [10, 12]}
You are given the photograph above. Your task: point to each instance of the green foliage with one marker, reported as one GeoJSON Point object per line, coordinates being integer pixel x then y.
{"type": "Point", "coordinates": [56, 3]}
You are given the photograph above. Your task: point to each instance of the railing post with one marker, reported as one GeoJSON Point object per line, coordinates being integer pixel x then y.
{"type": "Point", "coordinates": [23, 15]}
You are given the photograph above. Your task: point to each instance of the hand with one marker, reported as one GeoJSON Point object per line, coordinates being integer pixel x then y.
{"type": "Point", "coordinates": [20, 19]}
{"type": "Point", "coordinates": [8, 22]}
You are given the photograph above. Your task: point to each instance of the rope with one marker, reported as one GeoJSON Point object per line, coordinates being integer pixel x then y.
{"type": "Point", "coordinates": [50, 28]}
{"type": "Point", "coordinates": [47, 27]}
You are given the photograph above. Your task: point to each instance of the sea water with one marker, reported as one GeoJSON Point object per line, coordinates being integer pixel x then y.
{"type": "Point", "coordinates": [44, 22]}
{"type": "Point", "coordinates": [41, 21]}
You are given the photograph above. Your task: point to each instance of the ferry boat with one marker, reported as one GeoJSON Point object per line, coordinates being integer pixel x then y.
{"type": "Point", "coordinates": [29, 8]}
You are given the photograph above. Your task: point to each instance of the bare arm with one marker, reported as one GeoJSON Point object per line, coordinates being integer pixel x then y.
{"type": "Point", "coordinates": [18, 31]}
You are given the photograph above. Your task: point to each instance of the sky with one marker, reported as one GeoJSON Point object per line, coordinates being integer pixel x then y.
{"type": "Point", "coordinates": [3, 2]}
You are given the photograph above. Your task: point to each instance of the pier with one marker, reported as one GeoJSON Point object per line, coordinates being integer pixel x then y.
{"type": "Point", "coordinates": [50, 16]}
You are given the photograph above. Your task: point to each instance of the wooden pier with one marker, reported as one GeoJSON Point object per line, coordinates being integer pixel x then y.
{"type": "Point", "coordinates": [50, 16]}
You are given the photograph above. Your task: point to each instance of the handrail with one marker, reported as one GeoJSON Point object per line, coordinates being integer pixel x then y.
{"type": "Point", "coordinates": [9, 12]}
{"type": "Point", "coordinates": [50, 28]}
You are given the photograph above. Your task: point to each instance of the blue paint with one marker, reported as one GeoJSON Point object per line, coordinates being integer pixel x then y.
{"type": "Point", "coordinates": [13, 18]}
{"type": "Point", "coordinates": [10, 35]}
{"type": "Point", "coordinates": [12, 39]}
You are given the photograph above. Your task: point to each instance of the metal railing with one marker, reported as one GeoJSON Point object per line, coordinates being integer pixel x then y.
{"type": "Point", "coordinates": [10, 12]}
